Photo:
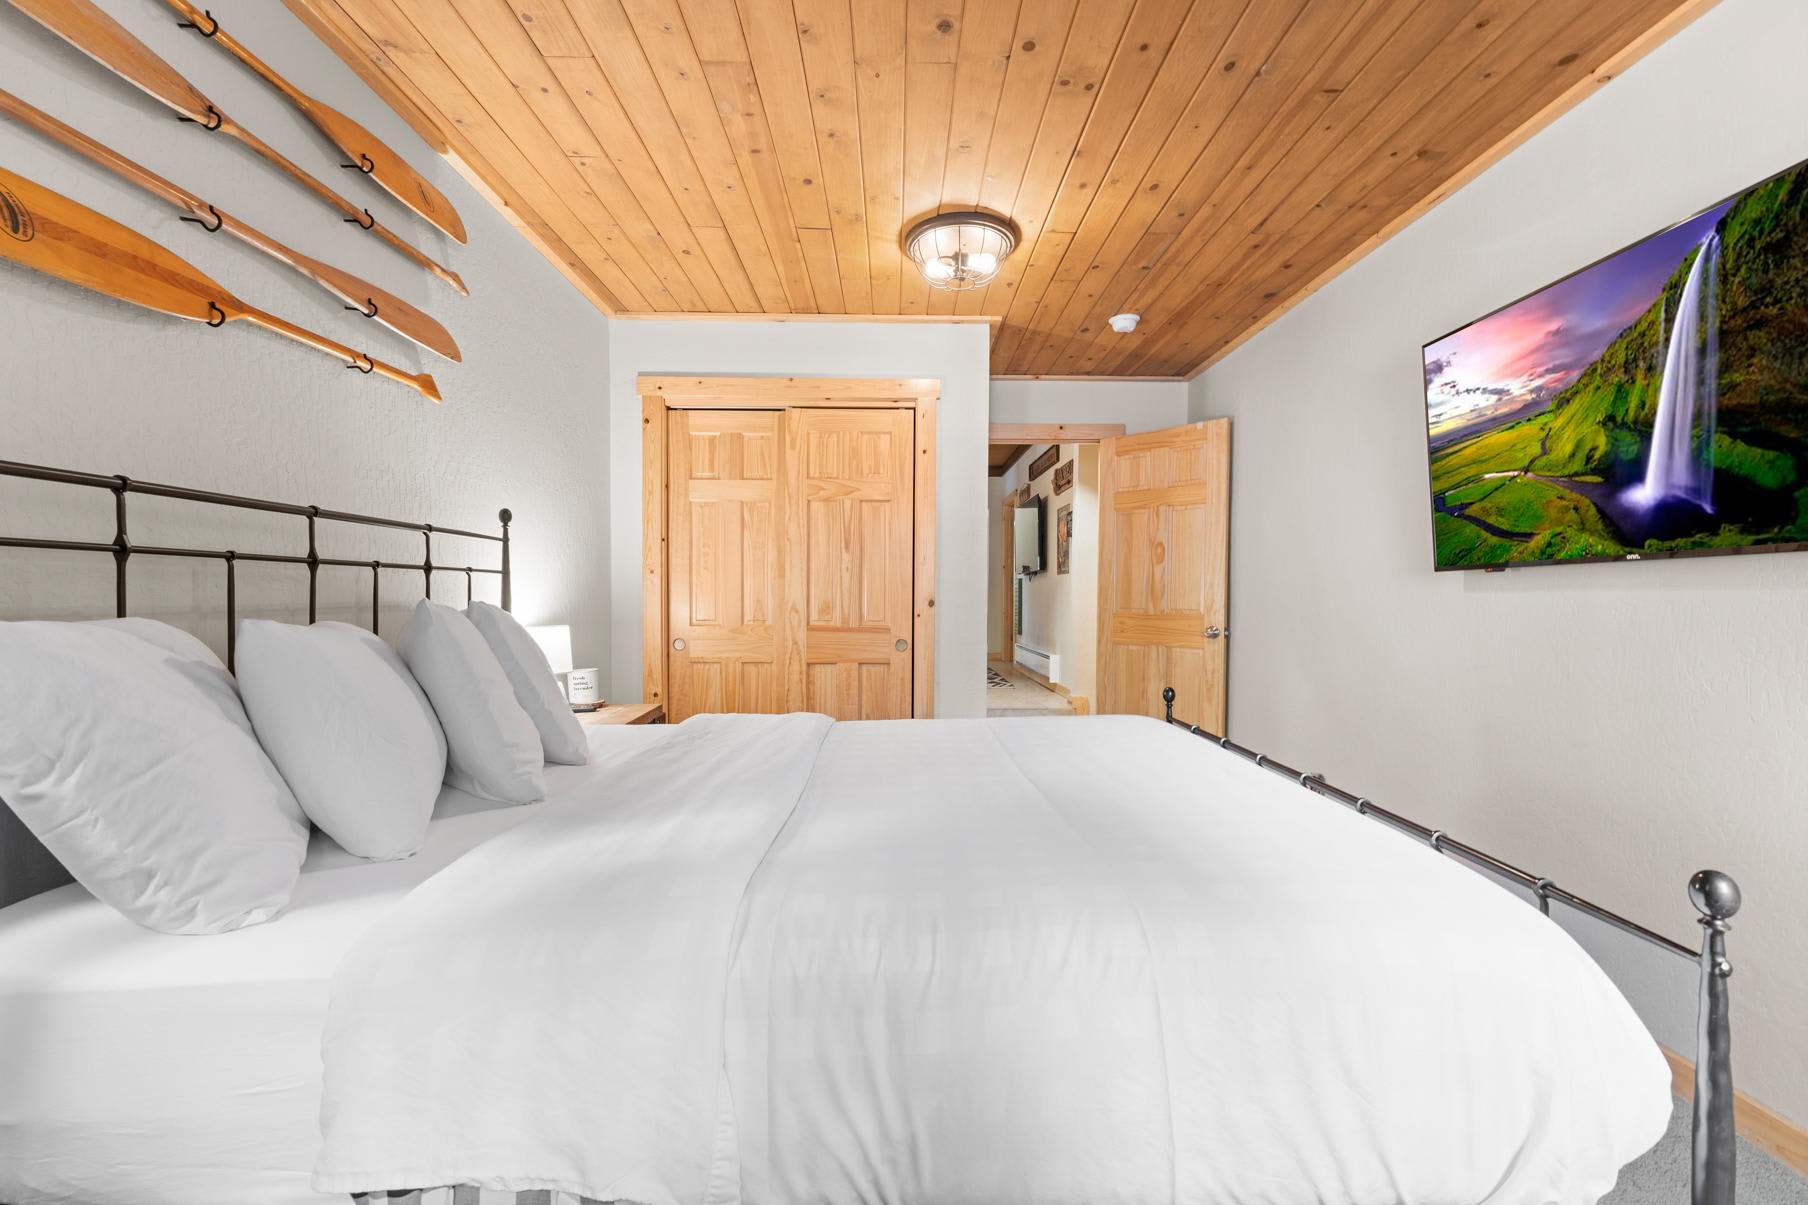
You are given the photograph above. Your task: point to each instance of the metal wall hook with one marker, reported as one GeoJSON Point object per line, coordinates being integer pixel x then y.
{"type": "Point", "coordinates": [218, 221]}
{"type": "Point", "coordinates": [367, 367]}
{"type": "Point", "coordinates": [219, 315]}
{"type": "Point", "coordinates": [363, 165]}
{"type": "Point", "coordinates": [370, 313]}
{"type": "Point", "coordinates": [206, 33]}
{"type": "Point", "coordinates": [367, 223]}
{"type": "Point", "coordinates": [216, 119]}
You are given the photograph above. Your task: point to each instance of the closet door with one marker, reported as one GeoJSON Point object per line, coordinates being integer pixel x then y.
{"type": "Point", "coordinates": [1164, 567]}
{"type": "Point", "coordinates": [848, 562]}
{"type": "Point", "coordinates": [725, 497]}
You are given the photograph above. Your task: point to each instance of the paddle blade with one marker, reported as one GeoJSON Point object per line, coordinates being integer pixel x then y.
{"type": "Point", "coordinates": [399, 316]}
{"type": "Point", "coordinates": [387, 168]}
{"type": "Point", "coordinates": [105, 40]}
{"type": "Point", "coordinates": [49, 232]}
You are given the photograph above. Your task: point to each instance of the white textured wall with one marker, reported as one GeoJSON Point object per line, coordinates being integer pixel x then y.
{"type": "Point", "coordinates": [94, 384]}
{"type": "Point", "coordinates": [1613, 726]}
{"type": "Point", "coordinates": [953, 352]}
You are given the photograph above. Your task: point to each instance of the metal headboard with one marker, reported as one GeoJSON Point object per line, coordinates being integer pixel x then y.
{"type": "Point", "coordinates": [26, 867]}
{"type": "Point", "coordinates": [1714, 895]}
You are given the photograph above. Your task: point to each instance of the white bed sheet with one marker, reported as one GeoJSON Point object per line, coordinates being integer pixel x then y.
{"type": "Point", "coordinates": [139, 1068]}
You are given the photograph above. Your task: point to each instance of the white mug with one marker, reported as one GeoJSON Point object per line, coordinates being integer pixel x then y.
{"type": "Point", "coordinates": [585, 688]}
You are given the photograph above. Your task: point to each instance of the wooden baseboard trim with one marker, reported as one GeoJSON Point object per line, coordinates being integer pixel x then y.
{"type": "Point", "coordinates": [1764, 1129]}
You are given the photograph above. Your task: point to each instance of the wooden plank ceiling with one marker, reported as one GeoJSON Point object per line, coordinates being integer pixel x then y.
{"type": "Point", "coordinates": [1205, 163]}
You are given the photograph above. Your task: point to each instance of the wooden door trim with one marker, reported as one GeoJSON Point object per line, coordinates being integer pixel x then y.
{"type": "Point", "coordinates": [1052, 433]}
{"type": "Point", "coordinates": [660, 394]}
{"type": "Point", "coordinates": [783, 392]}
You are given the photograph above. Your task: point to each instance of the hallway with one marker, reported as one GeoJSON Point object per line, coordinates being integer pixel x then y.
{"type": "Point", "coordinates": [1013, 691]}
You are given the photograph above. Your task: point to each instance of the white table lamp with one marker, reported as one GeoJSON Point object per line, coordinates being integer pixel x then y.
{"type": "Point", "coordinates": [554, 640]}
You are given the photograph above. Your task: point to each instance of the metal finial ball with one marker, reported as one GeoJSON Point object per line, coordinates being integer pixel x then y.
{"type": "Point", "coordinates": [506, 515]}
{"type": "Point", "coordinates": [1714, 894]}
{"type": "Point", "coordinates": [1167, 694]}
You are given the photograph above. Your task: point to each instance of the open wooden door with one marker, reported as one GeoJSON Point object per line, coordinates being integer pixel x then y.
{"type": "Point", "coordinates": [1164, 571]}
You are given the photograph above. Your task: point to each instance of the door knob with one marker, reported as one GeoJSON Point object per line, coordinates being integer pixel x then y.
{"type": "Point", "coordinates": [678, 644]}
{"type": "Point", "coordinates": [902, 645]}
{"type": "Point", "coordinates": [1214, 633]}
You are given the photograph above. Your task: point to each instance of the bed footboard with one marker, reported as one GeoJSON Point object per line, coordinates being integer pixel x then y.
{"type": "Point", "coordinates": [1714, 894]}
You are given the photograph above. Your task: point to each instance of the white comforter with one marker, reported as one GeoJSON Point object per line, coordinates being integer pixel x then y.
{"type": "Point", "coordinates": [780, 961]}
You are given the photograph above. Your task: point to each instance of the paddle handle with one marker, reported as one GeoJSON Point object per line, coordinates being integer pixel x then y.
{"type": "Point", "coordinates": [30, 115]}
{"type": "Point", "coordinates": [360, 217]}
{"type": "Point", "coordinates": [356, 359]}
{"type": "Point", "coordinates": [211, 28]}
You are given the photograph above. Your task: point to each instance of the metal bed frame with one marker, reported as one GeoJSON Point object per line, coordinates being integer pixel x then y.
{"type": "Point", "coordinates": [122, 550]}
{"type": "Point", "coordinates": [1715, 896]}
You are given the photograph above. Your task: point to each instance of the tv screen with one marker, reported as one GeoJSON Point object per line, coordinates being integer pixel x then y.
{"type": "Point", "coordinates": [1654, 404]}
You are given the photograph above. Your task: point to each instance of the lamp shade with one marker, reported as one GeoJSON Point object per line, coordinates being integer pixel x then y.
{"type": "Point", "coordinates": [554, 640]}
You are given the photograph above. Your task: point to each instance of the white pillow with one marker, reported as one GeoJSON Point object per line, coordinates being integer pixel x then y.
{"type": "Point", "coordinates": [530, 673]}
{"type": "Point", "coordinates": [124, 747]}
{"type": "Point", "coordinates": [491, 744]}
{"type": "Point", "coordinates": [350, 729]}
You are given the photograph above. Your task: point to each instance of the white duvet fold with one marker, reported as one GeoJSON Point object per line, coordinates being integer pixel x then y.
{"type": "Point", "coordinates": [547, 1012]}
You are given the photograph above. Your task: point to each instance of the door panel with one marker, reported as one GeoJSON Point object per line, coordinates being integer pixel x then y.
{"type": "Point", "coordinates": [724, 494]}
{"type": "Point", "coordinates": [1164, 502]}
{"type": "Point", "coordinates": [849, 581]}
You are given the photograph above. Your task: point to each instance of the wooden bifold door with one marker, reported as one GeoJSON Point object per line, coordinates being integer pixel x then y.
{"type": "Point", "coordinates": [790, 560]}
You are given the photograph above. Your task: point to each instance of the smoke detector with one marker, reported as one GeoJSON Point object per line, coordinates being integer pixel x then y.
{"type": "Point", "coordinates": [1123, 324]}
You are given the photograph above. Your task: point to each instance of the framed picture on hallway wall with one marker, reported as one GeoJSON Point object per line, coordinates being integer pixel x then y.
{"type": "Point", "coordinates": [1045, 462]}
{"type": "Point", "coordinates": [1063, 537]}
{"type": "Point", "coordinates": [1064, 478]}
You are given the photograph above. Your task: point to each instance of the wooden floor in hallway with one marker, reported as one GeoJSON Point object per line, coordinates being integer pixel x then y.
{"type": "Point", "coordinates": [1011, 690]}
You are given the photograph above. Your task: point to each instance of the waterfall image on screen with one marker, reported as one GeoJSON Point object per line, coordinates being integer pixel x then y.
{"type": "Point", "coordinates": [1652, 404]}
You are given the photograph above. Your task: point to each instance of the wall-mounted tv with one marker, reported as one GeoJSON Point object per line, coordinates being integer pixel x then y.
{"type": "Point", "coordinates": [1653, 404]}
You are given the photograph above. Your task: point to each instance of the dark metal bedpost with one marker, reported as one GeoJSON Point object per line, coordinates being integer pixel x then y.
{"type": "Point", "coordinates": [1167, 702]}
{"type": "Point", "coordinates": [1716, 897]}
{"type": "Point", "coordinates": [508, 593]}
{"type": "Point", "coordinates": [122, 545]}
{"type": "Point", "coordinates": [232, 611]}
{"type": "Point", "coordinates": [427, 557]}
{"type": "Point", "coordinates": [313, 567]}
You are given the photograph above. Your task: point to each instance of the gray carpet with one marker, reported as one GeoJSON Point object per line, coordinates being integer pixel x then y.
{"type": "Point", "coordinates": [1661, 1175]}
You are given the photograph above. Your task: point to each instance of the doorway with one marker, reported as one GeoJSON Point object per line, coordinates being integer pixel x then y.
{"type": "Point", "coordinates": [1041, 617]}
{"type": "Point", "coordinates": [1111, 570]}
{"type": "Point", "coordinates": [789, 545]}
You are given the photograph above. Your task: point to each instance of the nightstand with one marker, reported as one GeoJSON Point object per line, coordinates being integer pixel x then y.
{"type": "Point", "coordinates": [624, 713]}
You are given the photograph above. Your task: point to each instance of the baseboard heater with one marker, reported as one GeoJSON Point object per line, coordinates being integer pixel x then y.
{"type": "Point", "coordinates": [1046, 664]}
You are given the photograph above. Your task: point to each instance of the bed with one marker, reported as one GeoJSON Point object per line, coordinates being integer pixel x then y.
{"type": "Point", "coordinates": [783, 959]}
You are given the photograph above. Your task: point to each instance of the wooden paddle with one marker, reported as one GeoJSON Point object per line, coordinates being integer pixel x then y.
{"type": "Point", "coordinates": [47, 231]}
{"type": "Point", "coordinates": [368, 152]}
{"type": "Point", "coordinates": [106, 41]}
{"type": "Point", "coordinates": [363, 296]}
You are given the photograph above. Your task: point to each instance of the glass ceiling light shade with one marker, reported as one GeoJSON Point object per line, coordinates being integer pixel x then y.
{"type": "Point", "coordinates": [958, 251]}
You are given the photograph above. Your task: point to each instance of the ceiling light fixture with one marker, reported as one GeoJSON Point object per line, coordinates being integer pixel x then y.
{"type": "Point", "coordinates": [962, 250]}
{"type": "Point", "coordinates": [1123, 324]}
